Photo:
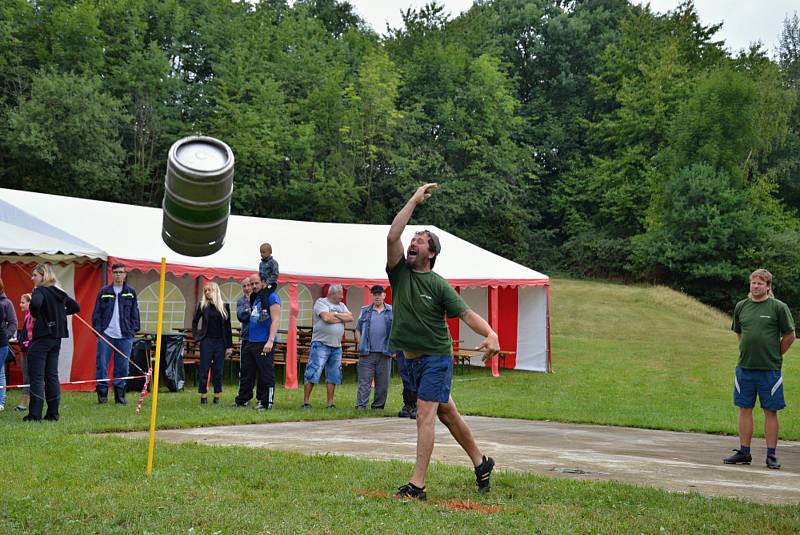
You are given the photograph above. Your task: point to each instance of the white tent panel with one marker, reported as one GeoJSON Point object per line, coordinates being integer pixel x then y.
{"type": "Point", "coordinates": [532, 329]}
{"type": "Point", "coordinates": [66, 279]}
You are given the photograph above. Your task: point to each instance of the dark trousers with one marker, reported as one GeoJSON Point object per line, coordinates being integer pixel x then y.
{"type": "Point", "coordinates": [257, 368]}
{"type": "Point", "coordinates": [409, 391]}
{"type": "Point", "coordinates": [212, 356]}
{"type": "Point", "coordinates": [43, 372]}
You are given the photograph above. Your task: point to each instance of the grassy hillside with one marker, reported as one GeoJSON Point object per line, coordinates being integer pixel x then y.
{"type": "Point", "coordinates": [630, 355]}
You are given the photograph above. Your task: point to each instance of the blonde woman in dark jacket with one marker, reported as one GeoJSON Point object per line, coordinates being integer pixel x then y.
{"type": "Point", "coordinates": [211, 327]}
{"type": "Point", "coordinates": [49, 307]}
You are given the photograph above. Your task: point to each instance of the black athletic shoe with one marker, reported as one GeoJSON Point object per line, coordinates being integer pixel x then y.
{"type": "Point", "coordinates": [413, 413]}
{"type": "Point", "coordinates": [203, 401]}
{"type": "Point", "coordinates": [405, 412]}
{"type": "Point", "coordinates": [51, 417]}
{"type": "Point", "coordinates": [239, 405]}
{"type": "Point", "coordinates": [772, 462]}
{"type": "Point", "coordinates": [30, 418]}
{"type": "Point", "coordinates": [738, 458]}
{"type": "Point", "coordinates": [305, 406]}
{"type": "Point", "coordinates": [411, 491]}
{"type": "Point", "coordinates": [483, 474]}
{"type": "Point", "coordinates": [330, 406]}
{"type": "Point", "coordinates": [215, 401]}
{"type": "Point", "coordinates": [261, 407]}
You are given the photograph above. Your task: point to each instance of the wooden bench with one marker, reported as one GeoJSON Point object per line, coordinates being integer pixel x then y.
{"type": "Point", "coordinates": [191, 350]}
{"type": "Point", "coordinates": [463, 357]}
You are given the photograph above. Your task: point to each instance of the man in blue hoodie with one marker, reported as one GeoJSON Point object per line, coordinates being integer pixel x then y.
{"type": "Point", "coordinates": [116, 317]}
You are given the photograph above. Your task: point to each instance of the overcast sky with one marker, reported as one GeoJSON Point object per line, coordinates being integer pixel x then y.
{"type": "Point", "coordinates": [744, 21]}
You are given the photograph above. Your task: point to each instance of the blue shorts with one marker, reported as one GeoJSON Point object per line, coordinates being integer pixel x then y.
{"type": "Point", "coordinates": [432, 376]}
{"type": "Point", "coordinates": [768, 384]}
{"type": "Point", "coordinates": [323, 357]}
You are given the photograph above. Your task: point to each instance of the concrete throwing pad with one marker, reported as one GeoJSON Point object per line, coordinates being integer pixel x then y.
{"type": "Point", "coordinates": [680, 462]}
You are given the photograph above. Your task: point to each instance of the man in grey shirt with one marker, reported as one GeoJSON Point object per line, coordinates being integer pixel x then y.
{"type": "Point", "coordinates": [330, 315]}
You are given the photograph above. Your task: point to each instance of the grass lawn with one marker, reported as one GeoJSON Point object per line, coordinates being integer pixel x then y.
{"type": "Point", "coordinates": [622, 355]}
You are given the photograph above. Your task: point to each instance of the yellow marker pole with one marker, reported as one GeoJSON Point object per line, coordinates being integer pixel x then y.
{"type": "Point", "coordinates": [154, 383]}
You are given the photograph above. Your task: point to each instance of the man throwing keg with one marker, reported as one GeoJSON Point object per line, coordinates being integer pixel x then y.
{"type": "Point", "coordinates": [422, 300]}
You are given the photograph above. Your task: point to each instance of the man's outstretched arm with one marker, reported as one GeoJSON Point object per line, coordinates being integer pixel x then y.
{"type": "Point", "coordinates": [394, 247]}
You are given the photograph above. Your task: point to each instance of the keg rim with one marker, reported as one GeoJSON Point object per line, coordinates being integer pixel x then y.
{"type": "Point", "coordinates": [190, 172]}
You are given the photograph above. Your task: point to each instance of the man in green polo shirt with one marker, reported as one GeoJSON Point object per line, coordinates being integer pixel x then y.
{"type": "Point", "coordinates": [765, 329]}
{"type": "Point", "coordinates": [422, 301]}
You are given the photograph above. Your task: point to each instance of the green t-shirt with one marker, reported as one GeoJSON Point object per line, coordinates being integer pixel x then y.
{"type": "Point", "coordinates": [420, 302]}
{"type": "Point", "coordinates": [761, 325]}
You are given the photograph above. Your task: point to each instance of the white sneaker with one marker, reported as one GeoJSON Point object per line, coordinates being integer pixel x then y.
{"type": "Point", "coordinates": [2, 408]}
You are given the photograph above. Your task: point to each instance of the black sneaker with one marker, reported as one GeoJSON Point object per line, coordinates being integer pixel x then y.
{"type": "Point", "coordinates": [411, 491]}
{"type": "Point", "coordinates": [483, 474]}
{"type": "Point", "coordinates": [239, 405]}
{"type": "Point", "coordinates": [216, 401]}
{"type": "Point", "coordinates": [738, 458]}
{"type": "Point", "coordinates": [405, 412]}
{"type": "Point", "coordinates": [772, 462]}
{"type": "Point", "coordinates": [305, 406]}
{"type": "Point", "coordinates": [20, 408]}
{"type": "Point", "coordinates": [203, 401]}
{"type": "Point", "coordinates": [330, 406]}
{"type": "Point", "coordinates": [413, 413]}
{"type": "Point", "coordinates": [261, 407]}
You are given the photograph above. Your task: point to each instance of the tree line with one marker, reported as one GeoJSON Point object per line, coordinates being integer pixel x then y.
{"type": "Point", "coordinates": [590, 137]}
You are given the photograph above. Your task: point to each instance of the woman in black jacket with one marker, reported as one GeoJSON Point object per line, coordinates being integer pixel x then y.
{"type": "Point", "coordinates": [49, 307]}
{"type": "Point", "coordinates": [215, 338]}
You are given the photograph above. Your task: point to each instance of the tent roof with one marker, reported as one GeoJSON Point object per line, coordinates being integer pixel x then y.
{"type": "Point", "coordinates": [306, 251]}
{"type": "Point", "coordinates": [22, 233]}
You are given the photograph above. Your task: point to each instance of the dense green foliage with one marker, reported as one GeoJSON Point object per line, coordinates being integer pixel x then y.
{"type": "Point", "coordinates": [603, 139]}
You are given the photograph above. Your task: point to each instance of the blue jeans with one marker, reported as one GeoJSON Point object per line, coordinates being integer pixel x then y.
{"type": "Point", "coordinates": [320, 357]}
{"type": "Point", "coordinates": [3, 354]}
{"type": "Point", "coordinates": [104, 352]}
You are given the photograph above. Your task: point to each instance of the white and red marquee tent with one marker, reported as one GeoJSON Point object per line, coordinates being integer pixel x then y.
{"type": "Point", "coordinates": [85, 236]}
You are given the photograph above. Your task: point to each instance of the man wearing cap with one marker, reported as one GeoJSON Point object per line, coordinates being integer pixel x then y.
{"type": "Point", "coordinates": [374, 358]}
{"type": "Point", "coordinates": [422, 300]}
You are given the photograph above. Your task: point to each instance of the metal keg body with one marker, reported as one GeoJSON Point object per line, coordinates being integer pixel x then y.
{"type": "Point", "coordinates": [197, 195]}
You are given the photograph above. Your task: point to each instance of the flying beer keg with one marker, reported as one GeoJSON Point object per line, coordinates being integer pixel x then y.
{"type": "Point", "coordinates": [197, 195]}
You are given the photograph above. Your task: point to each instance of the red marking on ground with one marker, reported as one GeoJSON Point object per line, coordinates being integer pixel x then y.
{"type": "Point", "coordinates": [470, 506]}
{"type": "Point", "coordinates": [373, 494]}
